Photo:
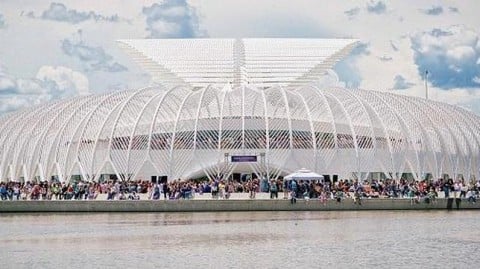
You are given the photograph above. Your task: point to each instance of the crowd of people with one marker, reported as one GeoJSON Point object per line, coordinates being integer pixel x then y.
{"type": "Point", "coordinates": [416, 191]}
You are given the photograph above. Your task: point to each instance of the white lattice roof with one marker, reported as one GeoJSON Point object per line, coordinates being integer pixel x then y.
{"type": "Point", "coordinates": [256, 62]}
{"type": "Point", "coordinates": [182, 132]}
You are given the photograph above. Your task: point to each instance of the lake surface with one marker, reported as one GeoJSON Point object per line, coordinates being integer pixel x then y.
{"type": "Point", "coordinates": [400, 239]}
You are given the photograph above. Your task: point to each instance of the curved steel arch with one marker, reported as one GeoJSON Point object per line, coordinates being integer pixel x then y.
{"type": "Point", "coordinates": [66, 135]}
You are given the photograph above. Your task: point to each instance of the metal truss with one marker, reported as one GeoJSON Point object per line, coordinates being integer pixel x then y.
{"type": "Point", "coordinates": [186, 131]}
{"type": "Point", "coordinates": [255, 62]}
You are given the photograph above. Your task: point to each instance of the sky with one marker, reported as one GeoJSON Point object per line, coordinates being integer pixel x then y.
{"type": "Point", "coordinates": [52, 50]}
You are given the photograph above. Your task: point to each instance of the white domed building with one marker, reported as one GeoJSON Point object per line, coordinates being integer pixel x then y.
{"type": "Point", "coordinates": [238, 106]}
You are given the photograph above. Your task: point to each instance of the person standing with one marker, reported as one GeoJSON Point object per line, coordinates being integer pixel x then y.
{"type": "Point", "coordinates": [221, 189]}
{"type": "Point", "coordinates": [230, 189]}
{"type": "Point", "coordinates": [286, 189]}
{"type": "Point", "coordinates": [293, 192]}
{"type": "Point", "coordinates": [273, 189]}
{"type": "Point", "coordinates": [16, 192]}
{"type": "Point", "coordinates": [166, 190]}
{"type": "Point", "coordinates": [252, 188]}
{"type": "Point", "coordinates": [3, 191]}
{"type": "Point", "coordinates": [156, 192]}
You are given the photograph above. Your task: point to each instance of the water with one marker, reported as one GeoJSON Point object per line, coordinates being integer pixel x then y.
{"type": "Point", "coordinates": [401, 239]}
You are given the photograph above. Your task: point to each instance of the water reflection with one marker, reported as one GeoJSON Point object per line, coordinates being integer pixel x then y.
{"type": "Point", "coordinates": [241, 239]}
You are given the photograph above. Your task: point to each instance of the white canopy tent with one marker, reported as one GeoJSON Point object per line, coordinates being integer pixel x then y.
{"type": "Point", "coordinates": [303, 174]}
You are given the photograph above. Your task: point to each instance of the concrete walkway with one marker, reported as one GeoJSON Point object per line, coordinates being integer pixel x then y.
{"type": "Point", "coordinates": [236, 203]}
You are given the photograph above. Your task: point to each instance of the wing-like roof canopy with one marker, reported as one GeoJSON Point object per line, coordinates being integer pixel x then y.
{"type": "Point", "coordinates": [256, 62]}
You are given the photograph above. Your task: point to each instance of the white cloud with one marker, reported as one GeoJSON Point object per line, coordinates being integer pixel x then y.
{"type": "Point", "coordinates": [172, 19]}
{"type": "Point", "coordinates": [385, 58]}
{"type": "Point", "coordinates": [16, 102]}
{"type": "Point", "coordinates": [49, 84]}
{"type": "Point", "coordinates": [31, 87]}
{"type": "Point", "coordinates": [175, 11]}
{"type": "Point", "coordinates": [465, 98]}
{"type": "Point", "coordinates": [347, 68]}
{"type": "Point", "coordinates": [2, 21]}
{"type": "Point", "coordinates": [330, 79]}
{"type": "Point", "coordinates": [68, 82]}
{"type": "Point", "coordinates": [165, 28]}
{"type": "Point", "coordinates": [461, 53]}
{"type": "Point", "coordinates": [434, 11]}
{"type": "Point", "coordinates": [7, 83]}
{"type": "Point", "coordinates": [453, 9]}
{"type": "Point", "coordinates": [450, 56]}
{"type": "Point", "coordinates": [377, 7]}
{"type": "Point", "coordinates": [60, 12]}
{"type": "Point", "coordinates": [351, 13]}
{"type": "Point", "coordinates": [400, 83]}
{"type": "Point", "coordinates": [90, 57]}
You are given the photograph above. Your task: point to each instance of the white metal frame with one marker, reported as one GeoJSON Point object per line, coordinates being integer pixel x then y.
{"type": "Point", "coordinates": [249, 96]}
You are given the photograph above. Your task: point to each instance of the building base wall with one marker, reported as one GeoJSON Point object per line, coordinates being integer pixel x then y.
{"type": "Point", "coordinates": [228, 205]}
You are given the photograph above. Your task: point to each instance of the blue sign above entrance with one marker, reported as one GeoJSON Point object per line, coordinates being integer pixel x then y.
{"type": "Point", "coordinates": [244, 159]}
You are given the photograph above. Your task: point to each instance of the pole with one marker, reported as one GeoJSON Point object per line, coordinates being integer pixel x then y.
{"type": "Point", "coordinates": [225, 170]}
{"type": "Point", "coordinates": [264, 165]}
{"type": "Point", "coordinates": [426, 84]}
